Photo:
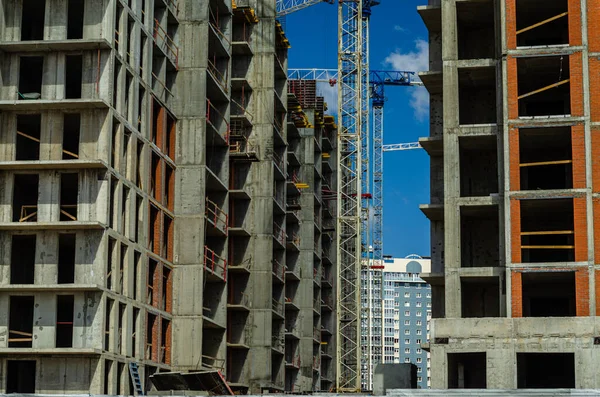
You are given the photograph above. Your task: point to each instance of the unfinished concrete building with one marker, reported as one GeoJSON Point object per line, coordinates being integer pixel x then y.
{"type": "Point", "coordinates": [146, 225]}
{"type": "Point", "coordinates": [514, 192]}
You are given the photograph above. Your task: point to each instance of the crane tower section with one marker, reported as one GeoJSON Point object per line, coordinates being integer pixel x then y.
{"type": "Point", "coordinates": [349, 195]}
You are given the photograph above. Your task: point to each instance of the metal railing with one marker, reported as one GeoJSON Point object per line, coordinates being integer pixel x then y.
{"type": "Point", "coordinates": [214, 263]}
{"type": "Point", "coordinates": [171, 49]}
{"type": "Point", "coordinates": [214, 213]}
{"type": "Point", "coordinates": [279, 233]}
{"type": "Point", "coordinates": [216, 119]}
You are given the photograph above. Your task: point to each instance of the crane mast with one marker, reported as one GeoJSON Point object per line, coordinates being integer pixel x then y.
{"type": "Point", "coordinates": [348, 378]}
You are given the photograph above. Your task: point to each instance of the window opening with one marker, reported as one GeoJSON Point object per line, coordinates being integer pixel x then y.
{"type": "Point", "coordinates": [28, 136]}
{"type": "Point", "coordinates": [65, 305]}
{"type": "Point", "coordinates": [66, 258]}
{"type": "Point", "coordinates": [25, 197]}
{"type": "Point", "coordinates": [20, 322]}
{"type": "Point", "coordinates": [22, 262]}
{"type": "Point", "coordinates": [71, 135]}
{"type": "Point", "coordinates": [69, 189]}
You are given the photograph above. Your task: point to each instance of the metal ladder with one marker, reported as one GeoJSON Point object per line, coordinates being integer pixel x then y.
{"type": "Point", "coordinates": [135, 378]}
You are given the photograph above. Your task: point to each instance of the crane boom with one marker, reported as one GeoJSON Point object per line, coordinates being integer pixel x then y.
{"type": "Point", "coordinates": [285, 7]}
{"type": "Point", "coordinates": [401, 146]}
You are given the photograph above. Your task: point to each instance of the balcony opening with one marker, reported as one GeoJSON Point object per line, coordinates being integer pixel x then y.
{"type": "Point", "coordinates": [547, 238]}
{"type": "Point", "coordinates": [20, 376]}
{"type": "Point", "coordinates": [120, 324]}
{"type": "Point", "coordinates": [542, 23]}
{"type": "Point", "coordinates": [466, 370]}
{"type": "Point", "coordinates": [31, 70]}
{"type": "Point", "coordinates": [73, 76]}
{"type": "Point", "coordinates": [477, 95]}
{"type": "Point", "coordinates": [478, 166]}
{"type": "Point", "coordinates": [480, 297]}
{"type": "Point", "coordinates": [107, 324]}
{"type": "Point", "coordinates": [64, 320]}
{"type": "Point", "coordinates": [167, 240]}
{"type": "Point", "coordinates": [151, 328]}
{"type": "Point", "coordinates": [66, 258]}
{"type": "Point", "coordinates": [165, 342]}
{"type": "Point", "coordinates": [548, 294]}
{"type": "Point", "coordinates": [155, 229]}
{"type": "Point", "coordinates": [167, 283]}
{"type": "Point", "coordinates": [32, 20]}
{"type": "Point", "coordinates": [25, 198]}
{"type": "Point", "coordinates": [545, 370]}
{"type": "Point", "coordinates": [476, 30]}
{"type": "Point", "coordinates": [152, 286]}
{"type": "Point", "coordinates": [22, 261]}
{"type": "Point", "coordinates": [75, 19]}
{"type": "Point", "coordinates": [134, 333]}
{"type": "Point", "coordinates": [544, 86]}
{"type": "Point", "coordinates": [545, 158]}
{"type": "Point", "coordinates": [71, 134]}
{"type": "Point", "coordinates": [69, 189]}
{"type": "Point", "coordinates": [110, 265]}
{"type": "Point", "coordinates": [137, 264]}
{"type": "Point", "coordinates": [480, 236]}
{"type": "Point", "coordinates": [20, 322]}
{"type": "Point", "coordinates": [29, 128]}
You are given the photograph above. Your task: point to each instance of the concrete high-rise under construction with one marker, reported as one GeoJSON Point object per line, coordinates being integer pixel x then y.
{"type": "Point", "coordinates": [515, 192]}
{"type": "Point", "coordinates": [162, 199]}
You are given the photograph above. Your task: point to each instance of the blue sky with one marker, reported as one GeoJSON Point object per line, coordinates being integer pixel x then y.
{"type": "Point", "coordinates": [398, 42]}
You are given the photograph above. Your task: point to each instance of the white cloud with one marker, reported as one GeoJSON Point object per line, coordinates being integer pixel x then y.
{"type": "Point", "coordinates": [399, 28]}
{"type": "Point", "coordinates": [415, 61]}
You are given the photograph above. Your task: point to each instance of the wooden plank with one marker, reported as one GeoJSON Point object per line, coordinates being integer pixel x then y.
{"type": "Point", "coordinates": [20, 333]}
{"type": "Point", "coordinates": [546, 233]}
{"type": "Point", "coordinates": [547, 247]}
{"type": "Point", "coordinates": [544, 88]}
{"type": "Point", "coordinates": [70, 153]}
{"type": "Point", "coordinates": [545, 163]}
{"type": "Point", "coordinates": [545, 21]}
{"type": "Point", "coordinates": [28, 136]}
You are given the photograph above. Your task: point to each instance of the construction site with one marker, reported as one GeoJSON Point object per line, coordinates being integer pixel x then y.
{"type": "Point", "coordinates": [184, 212]}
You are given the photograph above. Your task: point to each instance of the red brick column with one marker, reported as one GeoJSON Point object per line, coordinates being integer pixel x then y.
{"type": "Point", "coordinates": [517, 294]}
{"type": "Point", "coordinates": [594, 75]}
{"type": "Point", "coordinates": [574, 16]}
{"type": "Point", "coordinates": [514, 160]}
{"type": "Point", "coordinates": [593, 16]}
{"type": "Point", "coordinates": [576, 83]}
{"type": "Point", "coordinates": [511, 24]}
{"type": "Point", "coordinates": [596, 209]}
{"type": "Point", "coordinates": [597, 283]}
{"type": "Point", "coordinates": [513, 88]}
{"type": "Point", "coordinates": [582, 292]}
{"type": "Point", "coordinates": [515, 230]}
{"type": "Point", "coordinates": [578, 156]}
{"type": "Point", "coordinates": [580, 223]}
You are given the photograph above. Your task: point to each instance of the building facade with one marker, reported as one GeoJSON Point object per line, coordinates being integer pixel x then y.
{"type": "Point", "coordinates": [514, 194]}
{"type": "Point", "coordinates": [402, 325]}
{"type": "Point", "coordinates": [162, 203]}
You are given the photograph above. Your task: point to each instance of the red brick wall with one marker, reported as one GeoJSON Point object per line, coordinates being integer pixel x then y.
{"type": "Point", "coordinates": [578, 156]}
{"type": "Point", "coordinates": [576, 76]}
{"type": "Point", "coordinates": [597, 284]}
{"type": "Point", "coordinates": [511, 24]}
{"type": "Point", "coordinates": [596, 205]}
{"type": "Point", "coordinates": [513, 88]}
{"type": "Point", "coordinates": [580, 223]}
{"type": "Point", "coordinates": [582, 292]}
{"type": "Point", "coordinates": [594, 69]}
{"type": "Point", "coordinates": [515, 170]}
{"type": "Point", "coordinates": [515, 230]}
{"type": "Point", "coordinates": [574, 9]}
{"type": "Point", "coordinates": [593, 14]}
{"type": "Point", "coordinates": [517, 294]}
